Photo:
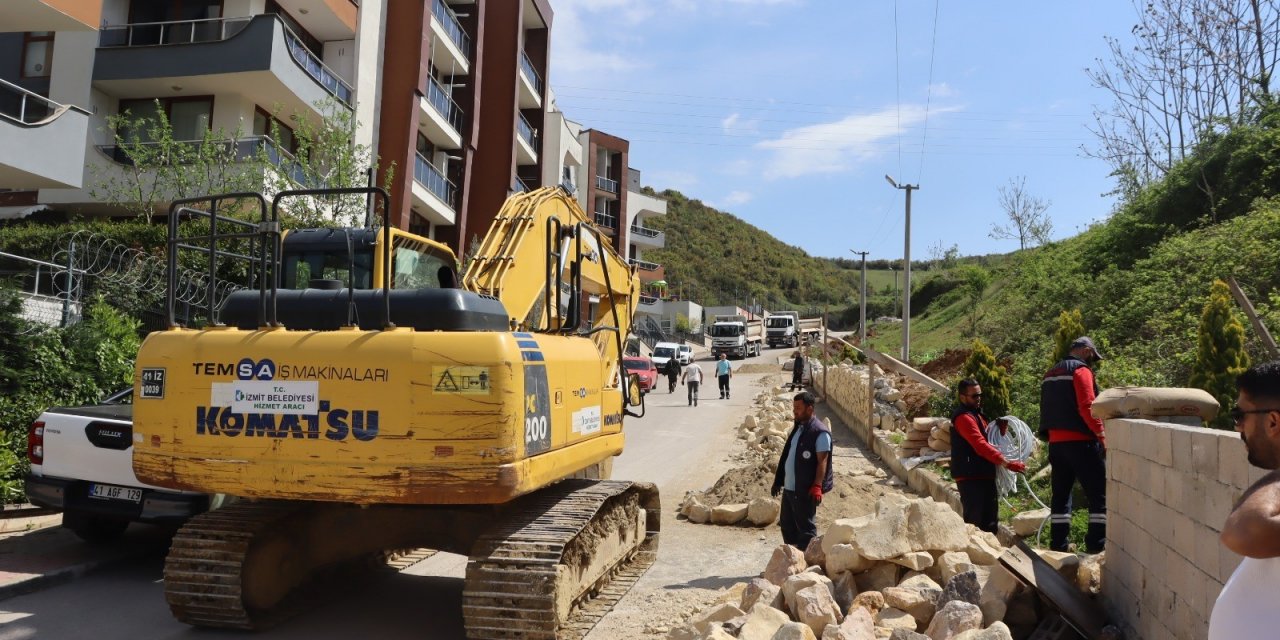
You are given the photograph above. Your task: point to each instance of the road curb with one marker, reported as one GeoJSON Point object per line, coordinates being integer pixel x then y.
{"type": "Point", "coordinates": [32, 583]}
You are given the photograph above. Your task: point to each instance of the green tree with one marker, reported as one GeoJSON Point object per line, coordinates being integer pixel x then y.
{"type": "Point", "coordinates": [981, 365]}
{"type": "Point", "coordinates": [682, 323]}
{"type": "Point", "coordinates": [974, 282]}
{"type": "Point", "coordinates": [1220, 353]}
{"type": "Point", "coordinates": [1070, 327]}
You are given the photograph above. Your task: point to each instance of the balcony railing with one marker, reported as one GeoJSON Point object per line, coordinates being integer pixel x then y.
{"type": "Point", "coordinates": [527, 132]}
{"type": "Point", "coordinates": [645, 266]}
{"type": "Point", "coordinates": [531, 74]}
{"type": "Point", "coordinates": [216, 30]}
{"type": "Point", "coordinates": [433, 179]}
{"type": "Point", "coordinates": [449, 20]}
{"type": "Point", "coordinates": [244, 148]}
{"type": "Point", "coordinates": [647, 299]}
{"type": "Point", "coordinates": [24, 106]}
{"type": "Point", "coordinates": [605, 184]}
{"type": "Point", "coordinates": [606, 220]}
{"type": "Point", "coordinates": [646, 232]}
{"type": "Point", "coordinates": [443, 104]}
{"type": "Point", "coordinates": [142, 34]}
{"type": "Point", "coordinates": [519, 186]}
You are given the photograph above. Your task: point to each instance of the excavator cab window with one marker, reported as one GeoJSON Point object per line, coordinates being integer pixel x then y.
{"type": "Point", "coordinates": [301, 267]}
{"type": "Point", "coordinates": [416, 269]}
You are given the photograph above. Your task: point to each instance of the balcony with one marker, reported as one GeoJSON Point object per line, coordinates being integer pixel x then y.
{"type": "Point", "coordinates": [607, 221]}
{"type": "Point", "coordinates": [648, 238]}
{"type": "Point", "coordinates": [649, 300]}
{"type": "Point", "coordinates": [644, 266]}
{"type": "Point", "coordinates": [450, 44]}
{"type": "Point", "coordinates": [607, 185]}
{"type": "Point", "coordinates": [640, 206]}
{"type": "Point", "coordinates": [442, 118]}
{"type": "Point", "coordinates": [530, 84]}
{"type": "Point", "coordinates": [50, 15]}
{"type": "Point", "coordinates": [245, 148]}
{"type": "Point", "coordinates": [526, 142]}
{"type": "Point", "coordinates": [433, 194]}
{"type": "Point", "coordinates": [43, 141]}
{"type": "Point", "coordinates": [255, 56]}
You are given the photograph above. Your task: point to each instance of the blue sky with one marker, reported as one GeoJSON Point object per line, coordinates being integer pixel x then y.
{"type": "Point", "coordinates": [788, 113]}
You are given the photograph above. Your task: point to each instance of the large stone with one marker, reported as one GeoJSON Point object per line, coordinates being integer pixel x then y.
{"type": "Point", "coordinates": [815, 607]}
{"type": "Point", "coordinates": [983, 547]}
{"type": "Point", "coordinates": [842, 531]}
{"type": "Point", "coordinates": [729, 513]}
{"type": "Point", "coordinates": [689, 503]}
{"type": "Point", "coordinates": [714, 616]}
{"type": "Point", "coordinates": [844, 590]}
{"type": "Point", "coordinates": [895, 619]}
{"type": "Point", "coordinates": [762, 511]}
{"type": "Point", "coordinates": [1089, 576]}
{"type": "Point", "coordinates": [920, 605]}
{"type": "Point", "coordinates": [934, 526]}
{"type": "Point", "coordinates": [997, 591]}
{"type": "Point", "coordinates": [699, 514]}
{"type": "Point", "coordinates": [844, 557]}
{"type": "Point", "coordinates": [750, 422]}
{"type": "Point", "coordinates": [997, 631]}
{"type": "Point", "coordinates": [1067, 564]}
{"type": "Point", "coordinates": [885, 535]}
{"type": "Point", "coordinates": [1028, 523]}
{"type": "Point", "coordinates": [858, 625]}
{"type": "Point", "coordinates": [762, 622]}
{"type": "Point", "coordinates": [759, 590]}
{"type": "Point", "coordinates": [785, 562]}
{"type": "Point", "coordinates": [801, 581]}
{"type": "Point", "coordinates": [733, 594]}
{"type": "Point", "coordinates": [906, 634]}
{"type": "Point", "coordinates": [962, 587]}
{"type": "Point", "coordinates": [915, 560]}
{"type": "Point", "coordinates": [878, 577]}
{"type": "Point", "coordinates": [716, 633]}
{"type": "Point", "coordinates": [953, 619]}
{"type": "Point", "coordinates": [872, 601]}
{"type": "Point", "coordinates": [686, 632]}
{"type": "Point", "coordinates": [813, 554]}
{"type": "Point", "coordinates": [794, 631]}
{"type": "Point", "coordinates": [952, 562]}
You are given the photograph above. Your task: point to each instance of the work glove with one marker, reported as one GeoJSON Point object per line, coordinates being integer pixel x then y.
{"type": "Point", "coordinates": [777, 489]}
{"type": "Point", "coordinates": [1016, 466]}
{"type": "Point", "coordinates": [815, 493]}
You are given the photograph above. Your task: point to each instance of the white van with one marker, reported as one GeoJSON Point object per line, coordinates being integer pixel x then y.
{"type": "Point", "coordinates": [664, 351]}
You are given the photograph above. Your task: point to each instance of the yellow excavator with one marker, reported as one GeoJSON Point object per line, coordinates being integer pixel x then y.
{"type": "Point", "coordinates": [357, 396]}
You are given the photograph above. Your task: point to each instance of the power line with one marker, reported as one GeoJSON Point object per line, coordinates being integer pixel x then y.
{"type": "Point", "coordinates": [897, 82]}
{"type": "Point", "coordinates": [933, 52]}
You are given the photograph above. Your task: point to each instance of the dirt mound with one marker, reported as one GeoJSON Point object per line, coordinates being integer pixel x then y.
{"type": "Point", "coordinates": [758, 368]}
{"type": "Point", "coordinates": [853, 495]}
{"type": "Point", "coordinates": [946, 365]}
{"type": "Point", "coordinates": [916, 397]}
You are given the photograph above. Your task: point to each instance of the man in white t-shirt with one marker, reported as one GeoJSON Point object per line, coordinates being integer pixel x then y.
{"type": "Point", "coordinates": [692, 377]}
{"type": "Point", "coordinates": [1246, 607]}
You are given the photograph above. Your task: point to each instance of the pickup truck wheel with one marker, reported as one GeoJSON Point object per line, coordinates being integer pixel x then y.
{"type": "Point", "coordinates": [94, 529]}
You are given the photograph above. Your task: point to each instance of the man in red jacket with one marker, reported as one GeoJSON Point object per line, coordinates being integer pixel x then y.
{"type": "Point", "coordinates": [974, 460]}
{"type": "Point", "coordinates": [1077, 445]}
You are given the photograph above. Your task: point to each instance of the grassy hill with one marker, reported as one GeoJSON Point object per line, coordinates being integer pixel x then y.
{"type": "Point", "coordinates": [716, 258]}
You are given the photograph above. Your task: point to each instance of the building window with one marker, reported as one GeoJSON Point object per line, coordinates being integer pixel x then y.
{"type": "Point", "coordinates": [37, 54]}
{"type": "Point", "coordinates": [190, 117]}
{"type": "Point", "coordinates": [265, 124]}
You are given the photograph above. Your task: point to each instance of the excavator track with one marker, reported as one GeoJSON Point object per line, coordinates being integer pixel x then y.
{"type": "Point", "coordinates": [522, 580]}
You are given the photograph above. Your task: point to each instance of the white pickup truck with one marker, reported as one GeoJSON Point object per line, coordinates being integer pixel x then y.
{"type": "Point", "coordinates": [82, 464]}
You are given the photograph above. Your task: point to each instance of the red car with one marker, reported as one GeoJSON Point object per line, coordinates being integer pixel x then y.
{"type": "Point", "coordinates": [643, 368]}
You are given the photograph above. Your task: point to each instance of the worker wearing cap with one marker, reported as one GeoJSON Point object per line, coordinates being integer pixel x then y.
{"type": "Point", "coordinates": [1077, 445]}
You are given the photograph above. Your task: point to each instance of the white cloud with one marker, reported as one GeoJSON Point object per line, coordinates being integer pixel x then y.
{"type": "Point", "coordinates": [727, 123]}
{"type": "Point", "coordinates": [736, 198]}
{"type": "Point", "coordinates": [661, 179]}
{"type": "Point", "coordinates": [832, 147]}
{"type": "Point", "coordinates": [734, 122]}
{"type": "Point", "coordinates": [574, 50]}
{"type": "Point", "coordinates": [941, 90]}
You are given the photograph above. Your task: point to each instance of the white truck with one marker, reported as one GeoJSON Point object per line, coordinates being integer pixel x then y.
{"type": "Point", "coordinates": [787, 328]}
{"type": "Point", "coordinates": [82, 464]}
{"type": "Point", "coordinates": [736, 335]}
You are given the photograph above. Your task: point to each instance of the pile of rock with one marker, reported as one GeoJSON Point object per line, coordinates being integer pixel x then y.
{"type": "Point", "coordinates": [926, 436]}
{"type": "Point", "coordinates": [912, 567]}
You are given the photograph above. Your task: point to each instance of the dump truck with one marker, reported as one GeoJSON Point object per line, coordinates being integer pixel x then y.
{"type": "Point", "coordinates": [736, 336]}
{"type": "Point", "coordinates": [380, 402]}
{"type": "Point", "coordinates": [788, 329]}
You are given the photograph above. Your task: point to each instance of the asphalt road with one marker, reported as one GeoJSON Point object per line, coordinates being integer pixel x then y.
{"type": "Point", "coordinates": [677, 446]}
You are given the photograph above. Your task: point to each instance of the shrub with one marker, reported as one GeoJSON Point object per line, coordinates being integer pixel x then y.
{"type": "Point", "coordinates": [1220, 354]}
{"type": "Point", "coordinates": [982, 366]}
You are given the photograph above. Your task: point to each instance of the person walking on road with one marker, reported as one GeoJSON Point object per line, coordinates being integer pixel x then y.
{"type": "Point", "coordinates": [974, 460]}
{"type": "Point", "coordinates": [724, 371]}
{"type": "Point", "coordinates": [804, 473]}
{"type": "Point", "coordinates": [692, 377]}
{"type": "Point", "coordinates": [1245, 608]}
{"type": "Point", "coordinates": [1077, 445]}
{"type": "Point", "coordinates": [672, 369]}
{"type": "Point", "coordinates": [797, 371]}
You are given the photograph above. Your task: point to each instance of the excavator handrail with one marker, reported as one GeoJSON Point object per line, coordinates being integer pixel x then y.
{"type": "Point", "coordinates": [179, 206]}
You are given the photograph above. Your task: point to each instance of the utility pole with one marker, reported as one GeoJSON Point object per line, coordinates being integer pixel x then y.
{"type": "Point", "coordinates": [906, 272]}
{"type": "Point", "coordinates": [862, 299]}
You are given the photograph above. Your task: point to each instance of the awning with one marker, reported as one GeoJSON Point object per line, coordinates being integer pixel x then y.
{"type": "Point", "coordinates": [17, 213]}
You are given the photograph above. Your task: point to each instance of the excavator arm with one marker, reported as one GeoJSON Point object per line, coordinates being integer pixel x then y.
{"type": "Point", "coordinates": [555, 272]}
